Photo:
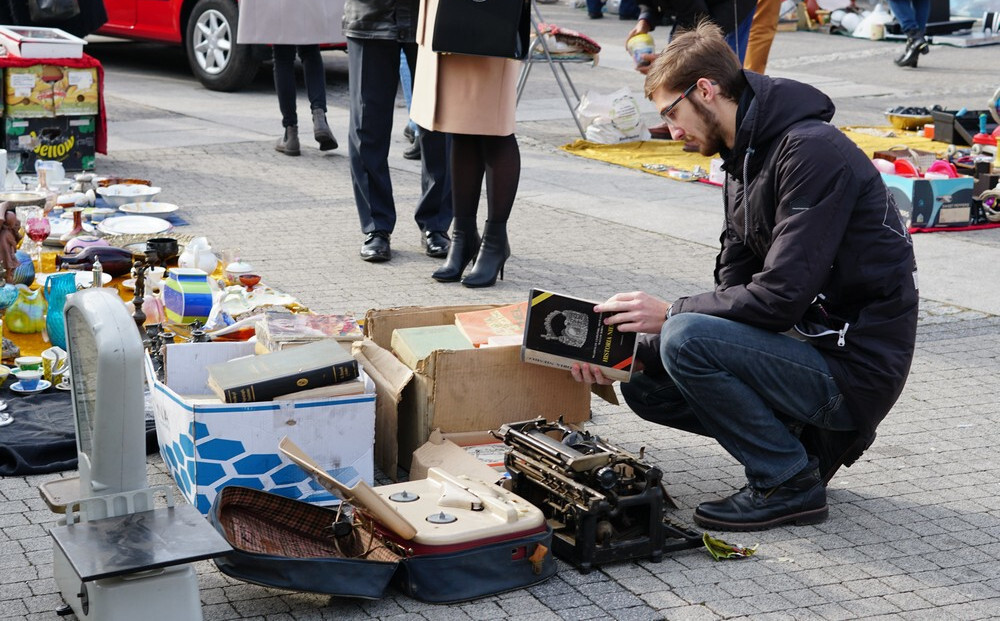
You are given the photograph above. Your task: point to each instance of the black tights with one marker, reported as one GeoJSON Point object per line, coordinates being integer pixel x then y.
{"type": "Point", "coordinates": [495, 157]}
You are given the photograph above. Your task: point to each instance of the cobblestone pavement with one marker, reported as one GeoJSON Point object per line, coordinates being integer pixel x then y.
{"type": "Point", "coordinates": [914, 528]}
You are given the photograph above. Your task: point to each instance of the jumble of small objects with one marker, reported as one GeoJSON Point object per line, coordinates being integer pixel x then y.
{"type": "Point", "coordinates": [972, 137]}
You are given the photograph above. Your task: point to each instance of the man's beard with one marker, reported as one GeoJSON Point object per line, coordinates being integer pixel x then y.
{"type": "Point", "coordinates": [712, 143]}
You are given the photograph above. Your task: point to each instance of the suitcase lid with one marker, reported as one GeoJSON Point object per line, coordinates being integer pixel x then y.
{"type": "Point", "coordinates": [441, 510]}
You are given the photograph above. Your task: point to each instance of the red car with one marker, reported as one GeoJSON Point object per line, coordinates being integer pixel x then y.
{"type": "Point", "coordinates": [206, 29]}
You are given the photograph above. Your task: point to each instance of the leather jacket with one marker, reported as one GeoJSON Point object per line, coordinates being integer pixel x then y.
{"type": "Point", "coordinates": [392, 20]}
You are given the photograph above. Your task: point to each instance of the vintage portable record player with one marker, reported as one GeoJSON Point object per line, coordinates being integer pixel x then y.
{"type": "Point", "coordinates": [459, 538]}
{"type": "Point", "coordinates": [603, 503]}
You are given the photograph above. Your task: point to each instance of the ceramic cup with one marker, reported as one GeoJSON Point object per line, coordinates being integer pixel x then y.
{"type": "Point", "coordinates": [166, 248]}
{"type": "Point", "coordinates": [28, 379]}
{"type": "Point", "coordinates": [53, 364]}
{"type": "Point", "coordinates": [29, 363]}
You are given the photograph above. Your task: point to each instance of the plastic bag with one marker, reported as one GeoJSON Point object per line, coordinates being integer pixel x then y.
{"type": "Point", "coordinates": [612, 118]}
{"type": "Point", "coordinates": [52, 10]}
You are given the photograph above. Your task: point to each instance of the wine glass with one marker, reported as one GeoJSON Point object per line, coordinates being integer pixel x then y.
{"type": "Point", "coordinates": [38, 229]}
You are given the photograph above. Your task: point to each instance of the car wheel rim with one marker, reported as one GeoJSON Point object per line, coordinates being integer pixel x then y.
{"type": "Point", "coordinates": [213, 42]}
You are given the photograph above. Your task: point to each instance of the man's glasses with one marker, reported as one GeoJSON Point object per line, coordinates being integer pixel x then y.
{"type": "Point", "coordinates": [666, 112]}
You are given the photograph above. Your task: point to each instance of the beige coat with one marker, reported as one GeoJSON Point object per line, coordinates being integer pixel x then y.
{"type": "Point", "coordinates": [290, 22]}
{"type": "Point", "coordinates": [461, 94]}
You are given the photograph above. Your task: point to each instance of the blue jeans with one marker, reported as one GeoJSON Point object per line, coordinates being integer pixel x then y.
{"type": "Point", "coordinates": [739, 38]}
{"type": "Point", "coordinates": [748, 388]}
{"type": "Point", "coordinates": [912, 15]}
{"type": "Point", "coordinates": [406, 81]}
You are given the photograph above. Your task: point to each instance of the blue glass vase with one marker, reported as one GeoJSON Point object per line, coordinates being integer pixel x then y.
{"type": "Point", "coordinates": [57, 288]}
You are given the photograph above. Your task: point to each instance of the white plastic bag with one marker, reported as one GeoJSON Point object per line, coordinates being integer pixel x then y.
{"type": "Point", "coordinates": [612, 118]}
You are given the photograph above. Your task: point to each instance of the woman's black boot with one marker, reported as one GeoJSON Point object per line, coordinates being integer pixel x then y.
{"type": "Point", "coordinates": [464, 246]}
{"type": "Point", "coordinates": [493, 254]}
{"type": "Point", "coordinates": [916, 45]}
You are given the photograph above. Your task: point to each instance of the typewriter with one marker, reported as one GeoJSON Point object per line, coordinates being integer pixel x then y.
{"type": "Point", "coordinates": [603, 503]}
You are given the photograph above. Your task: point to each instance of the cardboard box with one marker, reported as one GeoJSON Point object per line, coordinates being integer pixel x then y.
{"type": "Point", "coordinates": [208, 444]}
{"type": "Point", "coordinates": [959, 130]}
{"type": "Point", "coordinates": [456, 391]}
{"type": "Point", "coordinates": [40, 42]}
{"type": "Point", "coordinates": [931, 203]}
{"type": "Point", "coordinates": [31, 92]}
{"type": "Point", "coordinates": [46, 91]}
{"type": "Point", "coordinates": [70, 140]}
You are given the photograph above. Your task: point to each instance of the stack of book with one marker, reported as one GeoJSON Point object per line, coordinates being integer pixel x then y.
{"type": "Point", "coordinates": [277, 330]}
{"type": "Point", "coordinates": [319, 369]}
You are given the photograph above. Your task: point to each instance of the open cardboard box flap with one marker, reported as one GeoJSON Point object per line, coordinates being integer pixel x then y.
{"type": "Point", "coordinates": [390, 377]}
{"type": "Point", "coordinates": [439, 452]}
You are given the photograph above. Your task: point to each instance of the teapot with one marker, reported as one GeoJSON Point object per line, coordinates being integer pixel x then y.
{"type": "Point", "coordinates": [198, 254]}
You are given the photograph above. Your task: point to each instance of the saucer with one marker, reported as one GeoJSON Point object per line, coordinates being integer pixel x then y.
{"type": "Point", "coordinates": [42, 385]}
{"type": "Point", "coordinates": [129, 284]}
{"type": "Point", "coordinates": [62, 386]}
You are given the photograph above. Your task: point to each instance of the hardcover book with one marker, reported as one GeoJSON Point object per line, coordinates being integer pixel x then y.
{"type": "Point", "coordinates": [411, 345]}
{"type": "Point", "coordinates": [479, 326]}
{"type": "Point", "coordinates": [562, 329]}
{"type": "Point", "coordinates": [264, 377]}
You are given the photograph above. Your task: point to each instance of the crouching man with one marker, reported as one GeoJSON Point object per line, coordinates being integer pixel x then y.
{"type": "Point", "coordinates": [805, 342]}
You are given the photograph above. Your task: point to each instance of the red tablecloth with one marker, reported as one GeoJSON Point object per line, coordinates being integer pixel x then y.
{"type": "Point", "coordinates": [86, 62]}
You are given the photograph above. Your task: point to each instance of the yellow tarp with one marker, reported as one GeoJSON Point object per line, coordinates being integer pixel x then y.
{"type": "Point", "coordinates": [670, 155]}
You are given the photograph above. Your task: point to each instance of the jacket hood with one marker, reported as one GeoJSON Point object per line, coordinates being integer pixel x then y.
{"type": "Point", "coordinates": [777, 105]}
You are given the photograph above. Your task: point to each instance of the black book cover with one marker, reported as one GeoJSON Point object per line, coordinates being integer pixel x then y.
{"type": "Point", "coordinates": [264, 377]}
{"type": "Point", "coordinates": [562, 329]}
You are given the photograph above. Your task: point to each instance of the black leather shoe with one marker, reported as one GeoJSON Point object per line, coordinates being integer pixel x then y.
{"type": "Point", "coordinates": [376, 247]}
{"type": "Point", "coordinates": [801, 499]}
{"type": "Point", "coordinates": [409, 134]}
{"type": "Point", "coordinates": [435, 243]}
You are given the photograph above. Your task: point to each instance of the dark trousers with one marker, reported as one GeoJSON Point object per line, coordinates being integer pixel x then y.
{"type": "Point", "coordinates": [373, 79]}
{"type": "Point", "coordinates": [284, 79]}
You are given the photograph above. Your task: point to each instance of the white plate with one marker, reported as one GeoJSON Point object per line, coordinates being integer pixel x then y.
{"type": "Point", "coordinates": [42, 385]}
{"type": "Point", "coordinates": [64, 387]}
{"type": "Point", "coordinates": [83, 279]}
{"type": "Point", "coordinates": [159, 210]}
{"type": "Point", "coordinates": [129, 284]}
{"type": "Point", "coordinates": [134, 225]}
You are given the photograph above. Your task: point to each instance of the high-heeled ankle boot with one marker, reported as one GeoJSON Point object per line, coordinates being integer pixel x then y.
{"type": "Point", "coordinates": [464, 246]}
{"type": "Point", "coordinates": [493, 253]}
{"type": "Point", "coordinates": [289, 141]}
{"type": "Point", "coordinates": [322, 132]}
{"type": "Point", "coordinates": [916, 45]}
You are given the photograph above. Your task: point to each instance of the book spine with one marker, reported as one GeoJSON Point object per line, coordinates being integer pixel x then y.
{"type": "Point", "coordinates": [267, 390]}
{"type": "Point", "coordinates": [562, 362]}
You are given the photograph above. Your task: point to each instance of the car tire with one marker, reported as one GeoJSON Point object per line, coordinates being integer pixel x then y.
{"type": "Point", "coordinates": [210, 42]}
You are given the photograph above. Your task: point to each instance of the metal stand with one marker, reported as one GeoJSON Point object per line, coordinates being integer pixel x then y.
{"type": "Point", "coordinates": [540, 53]}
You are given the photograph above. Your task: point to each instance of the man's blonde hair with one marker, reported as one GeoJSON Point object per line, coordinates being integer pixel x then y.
{"type": "Point", "coordinates": [701, 52]}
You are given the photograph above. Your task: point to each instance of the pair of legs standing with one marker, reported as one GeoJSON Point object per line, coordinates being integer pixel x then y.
{"type": "Point", "coordinates": [373, 81]}
{"type": "Point", "coordinates": [474, 158]}
{"type": "Point", "coordinates": [753, 391]}
{"type": "Point", "coordinates": [284, 84]}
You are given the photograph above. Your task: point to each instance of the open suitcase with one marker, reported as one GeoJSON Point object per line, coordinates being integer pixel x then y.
{"type": "Point", "coordinates": [289, 544]}
{"type": "Point", "coordinates": [453, 538]}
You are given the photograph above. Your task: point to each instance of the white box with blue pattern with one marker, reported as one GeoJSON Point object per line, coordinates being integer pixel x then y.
{"type": "Point", "coordinates": [208, 444]}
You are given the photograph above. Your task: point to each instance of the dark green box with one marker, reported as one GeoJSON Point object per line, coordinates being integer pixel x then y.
{"type": "Point", "coordinates": [71, 140]}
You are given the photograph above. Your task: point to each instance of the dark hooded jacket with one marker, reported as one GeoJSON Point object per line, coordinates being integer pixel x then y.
{"type": "Point", "coordinates": [813, 242]}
